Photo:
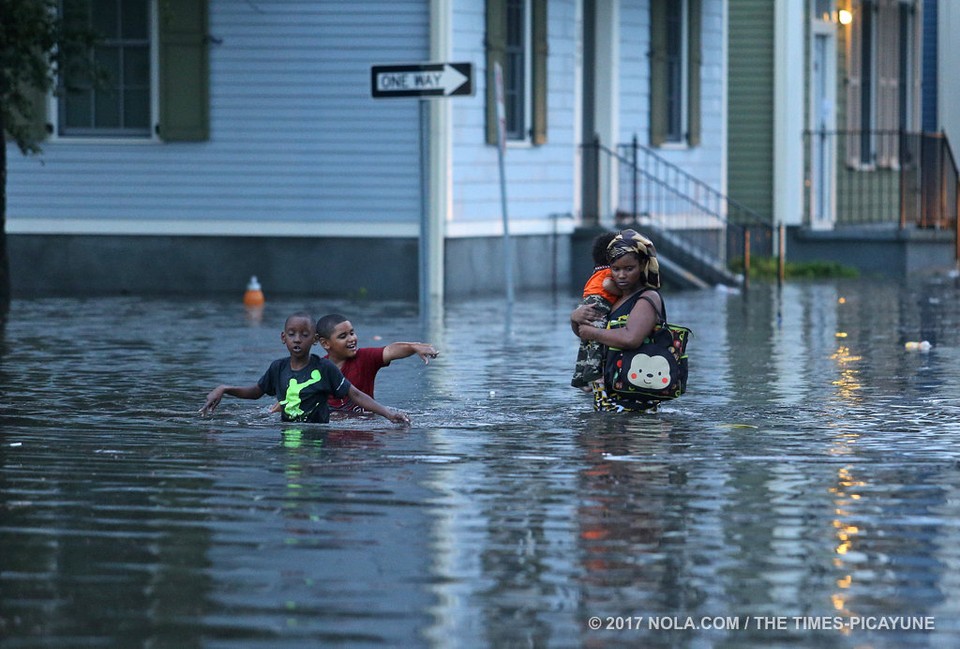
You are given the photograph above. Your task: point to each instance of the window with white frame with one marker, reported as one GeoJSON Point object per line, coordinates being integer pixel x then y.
{"type": "Point", "coordinates": [881, 88]}
{"type": "Point", "coordinates": [151, 75]}
{"type": "Point", "coordinates": [675, 65]}
{"type": "Point", "coordinates": [516, 39]}
{"type": "Point", "coordinates": [516, 75]}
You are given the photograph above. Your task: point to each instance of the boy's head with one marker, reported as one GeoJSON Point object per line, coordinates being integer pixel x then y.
{"type": "Point", "coordinates": [337, 336]}
{"type": "Point", "coordinates": [600, 245]}
{"type": "Point", "coordinates": [299, 334]}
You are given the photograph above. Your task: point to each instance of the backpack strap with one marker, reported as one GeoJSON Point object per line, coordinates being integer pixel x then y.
{"type": "Point", "coordinates": [662, 314]}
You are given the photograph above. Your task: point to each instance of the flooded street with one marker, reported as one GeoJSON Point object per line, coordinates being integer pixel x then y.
{"type": "Point", "coordinates": [805, 492]}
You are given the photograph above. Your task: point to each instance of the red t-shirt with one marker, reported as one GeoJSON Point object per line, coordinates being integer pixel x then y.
{"type": "Point", "coordinates": [361, 371]}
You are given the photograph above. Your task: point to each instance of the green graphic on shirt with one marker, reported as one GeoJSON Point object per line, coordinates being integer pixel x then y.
{"type": "Point", "coordinates": [291, 405]}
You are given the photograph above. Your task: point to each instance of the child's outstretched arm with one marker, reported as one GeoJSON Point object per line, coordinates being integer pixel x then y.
{"type": "Point", "coordinates": [425, 351]}
{"type": "Point", "coordinates": [367, 402]}
{"type": "Point", "coordinates": [216, 394]}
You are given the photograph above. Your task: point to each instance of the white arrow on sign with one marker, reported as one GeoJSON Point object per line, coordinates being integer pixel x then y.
{"type": "Point", "coordinates": [441, 79]}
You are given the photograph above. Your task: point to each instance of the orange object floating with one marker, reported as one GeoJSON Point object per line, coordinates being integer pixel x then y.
{"type": "Point", "coordinates": [254, 294]}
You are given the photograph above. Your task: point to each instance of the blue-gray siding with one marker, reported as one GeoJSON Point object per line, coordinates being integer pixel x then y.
{"type": "Point", "coordinates": [294, 136]}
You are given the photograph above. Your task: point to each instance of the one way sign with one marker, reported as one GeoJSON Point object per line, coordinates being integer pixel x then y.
{"type": "Point", "coordinates": [422, 80]}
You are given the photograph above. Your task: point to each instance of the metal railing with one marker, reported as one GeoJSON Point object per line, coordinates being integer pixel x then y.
{"type": "Point", "coordinates": [712, 230]}
{"type": "Point", "coordinates": [895, 178]}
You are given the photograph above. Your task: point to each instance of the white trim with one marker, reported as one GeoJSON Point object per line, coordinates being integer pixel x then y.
{"type": "Point", "coordinates": [467, 229]}
{"type": "Point", "coordinates": [607, 112]}
{"type": "Point", "coordinates": [440, 175]}
{"type": "Point", "coordinates": [53, 102]}
{"type": "Point", "coordinates": [948, 82]}
{"type": "Point", "coordinates": [578, 108]}
{"type": "Point", "coordinates": [209, 228]}
{"type": "Point", "coordinates": [120, 227]}
{"type": "Point", "coordinates": [788, 113]}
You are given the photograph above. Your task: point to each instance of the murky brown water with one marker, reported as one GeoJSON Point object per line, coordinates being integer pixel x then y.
{"type": "Point", "coordinates": [809, 477]}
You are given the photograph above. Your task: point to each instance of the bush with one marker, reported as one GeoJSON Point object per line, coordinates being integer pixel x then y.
{"type": "Point", "coordinates": [768, 267]}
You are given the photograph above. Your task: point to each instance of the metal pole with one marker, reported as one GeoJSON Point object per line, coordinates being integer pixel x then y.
{"type": "Point", "coordinates": [424, 243]}
{"type": "Point", "coordinates": [781, 271]}
{"type": "Point", "coordinates": [636, 216]}
{"type": "Point", "coordinates": [746, 257]}
{"type": "Point", "coordinates": [507, 243]}
{"type": "Point", "coordinates": [501, 149]}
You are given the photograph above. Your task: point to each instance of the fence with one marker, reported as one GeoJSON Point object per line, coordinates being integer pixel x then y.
{"type": "Point", "coordinates": [880, 177]}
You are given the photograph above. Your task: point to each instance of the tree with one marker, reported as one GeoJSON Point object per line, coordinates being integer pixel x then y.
{"type": "Point", "coordinates": [36, 45]}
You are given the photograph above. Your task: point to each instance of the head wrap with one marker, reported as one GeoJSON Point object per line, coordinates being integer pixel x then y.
{"type": "Point", "coordinates": [632, 241]}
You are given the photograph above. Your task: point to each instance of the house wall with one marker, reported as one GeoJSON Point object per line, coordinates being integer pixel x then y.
{"type": "Point", "coordinates": [539, 179]}
{"type": "Point", "coordinates": [751, 104]}
{"type": "Point", "coordinates": [297, 146]}
{"type": "Point", "coordinates": [308, 181]}
{"type": "Point", "coordinates": [298, 149]}
{"type": "Point", "coordinates": [705, 161]}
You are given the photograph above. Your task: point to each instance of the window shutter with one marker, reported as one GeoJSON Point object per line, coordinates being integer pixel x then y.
{"type": "Point", "coordinates": [695, 59]}
{"type": "Point", "coordinates": [496, 44]}
{"type": "Point", "coordinates": [658, 72]}
{"type": "Point", "coordinates": [854, 76]}
{"type": "Point", "coordinates": [539, 71]}
{"type": "Point", "coordinates": [888, 81]}
{"type": "Point", "coordinates": [184, 71]}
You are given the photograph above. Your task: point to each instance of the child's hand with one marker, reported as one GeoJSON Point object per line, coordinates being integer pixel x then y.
{"type": "Point", "coordinates": [585, 314]}
{"type": "Point", "coordinates": [213, 400]}
{"type": "Point", "coordinates": [426, 352]}
{"type": "Point", "coordinates": [277, 407]}
{"type": "Point", "coordinates": [398, 417]}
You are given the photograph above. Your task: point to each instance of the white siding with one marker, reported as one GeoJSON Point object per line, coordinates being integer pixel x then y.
{"type": "Point", "coordinates": [294, 135]}
{"type": "Point", "coordinates": [705, 160]}
{"type": "Point", "coordinates": [540, 179]}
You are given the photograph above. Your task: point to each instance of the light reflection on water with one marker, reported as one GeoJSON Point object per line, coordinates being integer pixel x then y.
{"type": "Point", "coordinates": [811, 470]}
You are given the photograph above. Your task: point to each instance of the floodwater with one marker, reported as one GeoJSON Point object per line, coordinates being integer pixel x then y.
{"type": "Point", "coordinates": [805, 492]}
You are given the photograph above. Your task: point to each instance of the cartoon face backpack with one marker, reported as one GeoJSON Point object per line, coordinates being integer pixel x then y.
{"type": "Point", "coordinates": [657, 369]}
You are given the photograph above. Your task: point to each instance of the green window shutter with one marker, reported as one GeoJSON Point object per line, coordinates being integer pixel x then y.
{"type": "Point", "coordinates": [658, 72]}
{"type": "Point", "coordinates": [539, 71]}
{"type": "Point", "coordinates": [184, 71]}
{"type": "Point", "coordinates": [496, 44]}
{"type": "Point", "coordinates": [695, 58]}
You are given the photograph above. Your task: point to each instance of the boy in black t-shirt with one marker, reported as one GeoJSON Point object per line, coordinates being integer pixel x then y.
{"type": "Point", "coordinates": [303, 381]}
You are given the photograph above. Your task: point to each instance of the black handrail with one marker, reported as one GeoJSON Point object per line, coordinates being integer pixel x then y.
{"type": "Point", "coordinates": [690, 213]}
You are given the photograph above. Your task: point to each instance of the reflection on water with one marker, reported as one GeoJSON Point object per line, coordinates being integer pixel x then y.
{"type": "Point", "coordinates": [808, 478]}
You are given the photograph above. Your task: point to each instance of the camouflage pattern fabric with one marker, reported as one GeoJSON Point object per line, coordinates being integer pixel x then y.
{"type": "Point", "coordinates": [590, 356]}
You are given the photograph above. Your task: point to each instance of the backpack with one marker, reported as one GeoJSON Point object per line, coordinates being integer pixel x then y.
{"type": "Point", "coordinates": [654, 371]}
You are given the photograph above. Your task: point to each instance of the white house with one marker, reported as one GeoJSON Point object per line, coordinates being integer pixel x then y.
{"type": "Point", "coordinates": [241, 137]}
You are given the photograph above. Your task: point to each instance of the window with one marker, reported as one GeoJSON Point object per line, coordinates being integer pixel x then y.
{"type": "Point", "coordinates": [516, 74]}
{"type": "Point", "coordinates": [881, 79]}
{"type": "Point", "coordinates": [517, 40]}
{"type": "Point", "coordinates": [119, 104]}
{"type": "Point", "coordinates": [675, 72]}
{"type": "Point", "coordinates": [122, 104]}
{"type": "Point", "coordinates": [823, 10]}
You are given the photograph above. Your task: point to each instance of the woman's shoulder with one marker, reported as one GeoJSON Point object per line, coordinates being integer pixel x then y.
{"type": "Point", "coordinates": [649, 296]}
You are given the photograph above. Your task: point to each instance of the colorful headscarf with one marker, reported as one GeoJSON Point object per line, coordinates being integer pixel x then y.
{"type": "Point", "coordinates": [632, 241]}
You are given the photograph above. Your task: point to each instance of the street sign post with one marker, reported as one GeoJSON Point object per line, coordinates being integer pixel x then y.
{"type": "Point", "coordinates": [424, 80]}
